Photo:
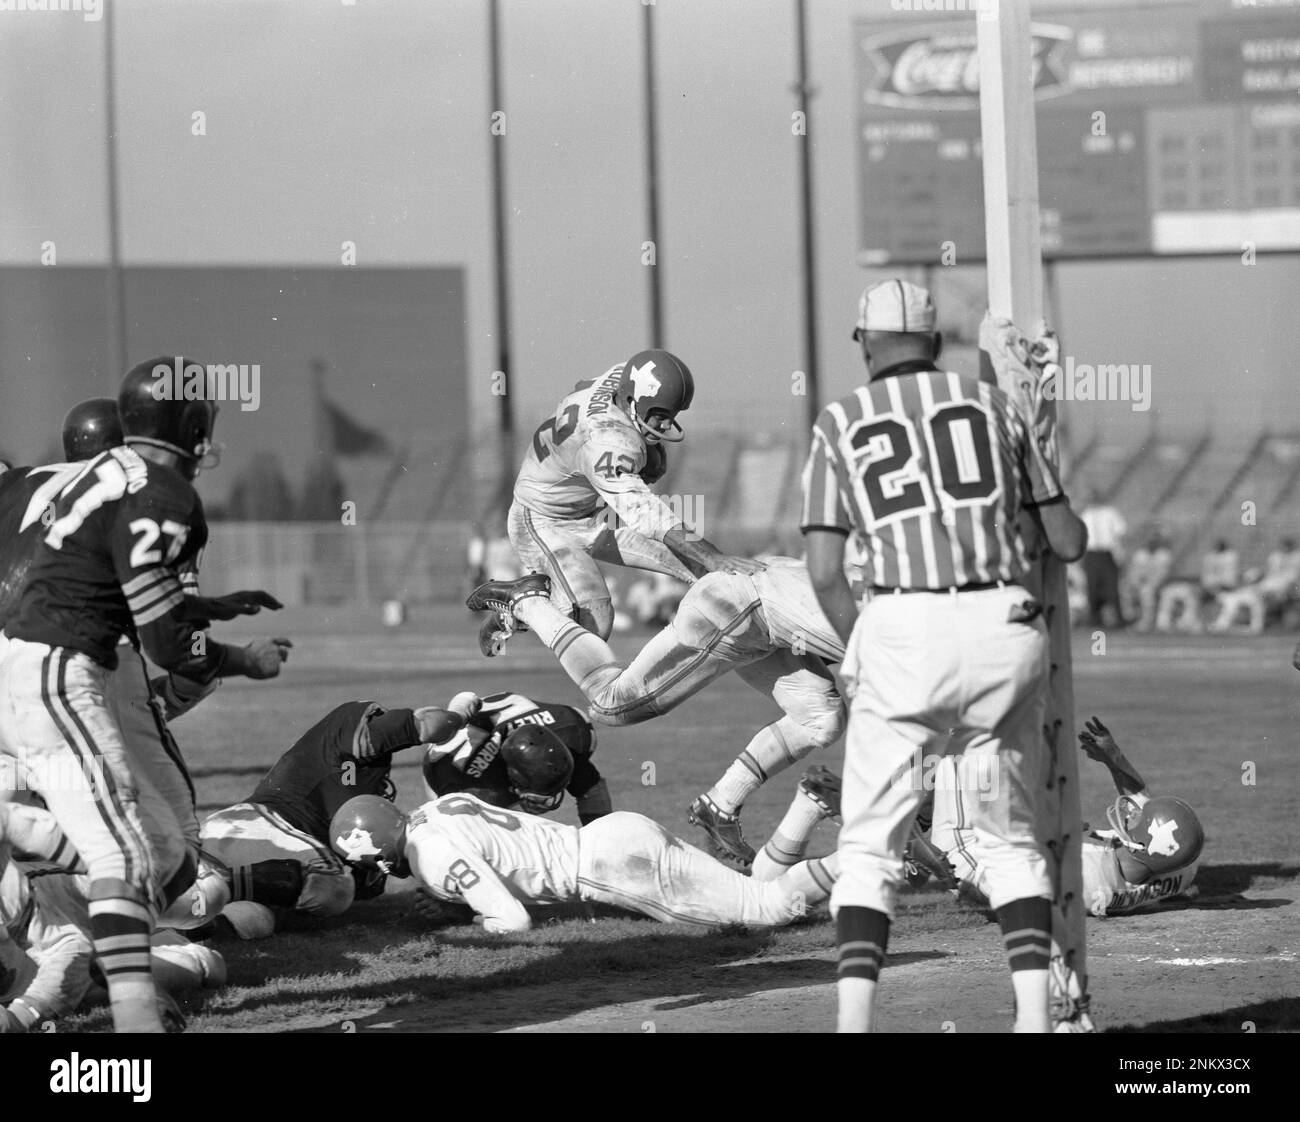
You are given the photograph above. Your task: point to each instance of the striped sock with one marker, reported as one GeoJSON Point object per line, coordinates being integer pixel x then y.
{"type": "Point", "coordinates": [772, 750]}
{"type": "Point", "coordinates": [120, 929]}
{"type": "Point", "coordinates": [864, 938]}
{"type": "Point", "coordinates": [1026, 930]}
{"type": "Point", "coordinates": [789, 842]}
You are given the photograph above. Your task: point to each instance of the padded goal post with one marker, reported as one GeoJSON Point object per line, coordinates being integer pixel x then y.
{"type": "Point", "coordinates": [1015, 292]}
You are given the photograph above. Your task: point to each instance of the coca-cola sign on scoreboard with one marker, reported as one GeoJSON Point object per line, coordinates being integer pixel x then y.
{"type": "Point", "coordinates": [939, 68]}
{"type": "Point", "coordinates": [1163, 128]}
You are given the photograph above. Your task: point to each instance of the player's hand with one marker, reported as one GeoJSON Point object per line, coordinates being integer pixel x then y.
{"type": "Point", "coordinates": [465, 705]}
{"type": "Point", "coordinates": [741, 566]}
{"type": "Point", "coordinates": [1096, 741]}
{"type": "Point", "coordinates": [247, 603]}
{"type": "Point", "coordinates": [265, 657]}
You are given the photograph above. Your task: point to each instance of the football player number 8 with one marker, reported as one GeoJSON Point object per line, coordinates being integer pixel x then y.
{"type": "Point", "coordinates": [461, 805]}
{"type": "Point", "coordinates": [959, 444]}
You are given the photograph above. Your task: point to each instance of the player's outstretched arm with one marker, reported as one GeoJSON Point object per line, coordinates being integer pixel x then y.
{"type": "Point", "coordinates": [701, 556]}
{"type": "Point", "coordinates": [1098, 744]}
{"type": "Point", "coordinates": [1064, 531]}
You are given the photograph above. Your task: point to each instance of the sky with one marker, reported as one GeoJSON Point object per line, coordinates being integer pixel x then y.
{"type": "Point", "coordinates": [369, 122]}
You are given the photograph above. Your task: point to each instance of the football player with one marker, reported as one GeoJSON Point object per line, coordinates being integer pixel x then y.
{"type": "Point", "coordinates": [583, 493]}
{"type": "Point", "coordinates": [46, 967]}
{"type": "Point", "coordinates": [276, 844]}
{"type": "Point", "coordinates": [462, 850]}
{"type": "Point", "coordinates": [120, 532]}
{"type": "Point", "coordinates": [142, 706]}
{"type": "Point", "coordinates": [531, 774]}
{"type": "Point", "coordinates": [767, 627]}
{"type": "Point", "coordinates": [1150, 853]}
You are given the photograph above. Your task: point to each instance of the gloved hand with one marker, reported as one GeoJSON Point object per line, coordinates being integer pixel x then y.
{"type": "Point", "coordinates": [265, 657]}
{"type": "Point", "coordinates": [229, 606]}
{"type": "Point", "coordinates": [465, 705]}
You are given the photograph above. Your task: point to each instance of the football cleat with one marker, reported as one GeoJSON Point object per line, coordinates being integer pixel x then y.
{"type": "Point", "coordinates": [923, 860]}
{"type": "Point", "coordinates": [500, 595]}
{"type": "Point", "coordinates": [725, 838]}
{"type": "Point", "coordinates": [823, 786]}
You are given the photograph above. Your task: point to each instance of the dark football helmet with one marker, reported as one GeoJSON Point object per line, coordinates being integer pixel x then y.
{"type": "Point", "coordinates": [1161, 836]}
{"type": "Point", "coordinates": [164, 402]}
{"type": "Point", "coordinates": [369, 832]}
{"type": "Point", "coordinates": [656, 381]}
{"type": "Point", "coordinates": [538, 764]}
{"type": "Point", "coordinates": [91, 427]}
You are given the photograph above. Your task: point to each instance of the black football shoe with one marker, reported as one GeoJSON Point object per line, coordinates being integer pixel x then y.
{"type": "Point", "coordinates": [497, 597]}
{"type": "Point", "coordinates": [726, 841]}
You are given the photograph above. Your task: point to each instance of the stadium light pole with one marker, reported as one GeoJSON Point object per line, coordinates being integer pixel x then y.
{"type": "Point", "coordinates": [116, 280]}
{"type": "Point", "coordinates": [506, 415]}
{"type": "Point", "coordinates": [652, 181]}
{"type": "Point", "coordinates": [1015, 289]}
{"type": "Point", "coordinates": [804, 91]}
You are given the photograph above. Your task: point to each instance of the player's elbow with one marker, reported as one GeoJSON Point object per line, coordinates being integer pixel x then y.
{"type": "Point", "coordinates": [1065, 531]}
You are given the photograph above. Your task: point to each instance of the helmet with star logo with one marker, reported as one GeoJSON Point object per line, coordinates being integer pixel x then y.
{"type": "Point", "coordinates": [370, 833]}
{"type": "Point", "coordinates": [655, 387]}
{"type": "Point", "coordinates": [1160, 835]}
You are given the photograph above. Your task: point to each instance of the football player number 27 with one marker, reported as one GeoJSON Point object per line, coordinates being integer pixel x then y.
{"type": "Point", "coordinates": [560, 429]}
{"type": "Point", "coordinates": [891, 475]}
{"type": "Point", "coordinates": [146, 533]}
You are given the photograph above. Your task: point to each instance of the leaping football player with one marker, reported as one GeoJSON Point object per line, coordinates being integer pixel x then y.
{"type": "Point", "coordinates": [768, 627]}
{"type": "Point", "coordinates": [583, 493]}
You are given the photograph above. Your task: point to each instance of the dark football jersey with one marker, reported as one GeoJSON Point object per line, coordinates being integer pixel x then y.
{"type": "Point", "coordinates": [346, 754]}
{"type": "Point", "coordinates": [471, 760]}
{"type": "Point", "coordinates": [26, 510]}
{"type": "Point", "coordinates": [120, 532]}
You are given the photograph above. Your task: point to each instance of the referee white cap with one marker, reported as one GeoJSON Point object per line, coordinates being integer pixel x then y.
{"type": "Point", "coordinates": [895, 305]}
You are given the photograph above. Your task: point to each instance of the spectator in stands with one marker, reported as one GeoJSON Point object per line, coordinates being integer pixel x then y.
{"type": "Point", "coordinates": [1147, 571]}
{"type": "Point", "coordinates": [1106, 529]}
{"type": "Point", "coordinates": [1274, 588]}
{"type": "Point", "coordinates": [1185, 598]}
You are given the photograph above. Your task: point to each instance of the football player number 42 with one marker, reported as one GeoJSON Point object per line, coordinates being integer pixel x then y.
{"type": "Point", "coordinates": [559, 429]}
{"type": "Point", "coordinates": [888, 455]}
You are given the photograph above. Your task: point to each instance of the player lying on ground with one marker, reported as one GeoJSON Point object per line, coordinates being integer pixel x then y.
{"type": "Point", "coordinates": [46, 954]}
{"type": "Point", "coordinates": [464, 851]}
{"type": "Point", "coordinates": [767, 627]}
{"type": "Point", "coordinates": [285, 821]}
{"type": "Point", "coordinates": [583, 493]}
{"type": "Point", "coordinates": [473, 761]}
{"type": "Point", "coordinates": [1150, 853]}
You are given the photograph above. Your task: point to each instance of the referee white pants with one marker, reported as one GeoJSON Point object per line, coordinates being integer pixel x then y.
{"type": "Point", "coordinates": [567, 550]}
{"type": "Point", "coordinates": [936, 673]}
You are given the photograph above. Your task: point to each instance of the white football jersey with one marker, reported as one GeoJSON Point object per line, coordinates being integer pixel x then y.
{"type": "Point", "coordinates": [794, 617]}
{"type": "Point", "coordinates": [590, 456]}
{"type": "Point", "coordinates": [1107, 892]}
{"type": "Point", "coordinates": [496, 861]}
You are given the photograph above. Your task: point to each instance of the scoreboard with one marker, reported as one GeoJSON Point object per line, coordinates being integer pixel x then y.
{"type": "Point", "coordinates": [1164, 127]}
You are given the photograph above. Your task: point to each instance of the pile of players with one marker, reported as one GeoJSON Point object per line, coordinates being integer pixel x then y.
{"type": "Point", "coordinates": [103, 858]}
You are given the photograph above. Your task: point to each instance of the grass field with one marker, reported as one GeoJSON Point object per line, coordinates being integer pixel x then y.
{"type": "Point", "coordinates": [1210, 720]}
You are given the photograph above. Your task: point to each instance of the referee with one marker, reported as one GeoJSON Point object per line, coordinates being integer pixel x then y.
{"type": "Point", "coordinates": [949, 653]}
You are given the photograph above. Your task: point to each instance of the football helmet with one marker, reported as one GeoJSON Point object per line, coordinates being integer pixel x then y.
{"type": "Point", "coordinates": [163, 403]}
{"type": "Point", "coordinates": [655, 381]}
{"type": "Point", "coordinates": [91, 427]}
{"type": "Point", "coordinates": [369, 832]}
{"type": "Point", "coordinates": [1161, 835]}
{"type": "Point", "coordinates": [537, 762]}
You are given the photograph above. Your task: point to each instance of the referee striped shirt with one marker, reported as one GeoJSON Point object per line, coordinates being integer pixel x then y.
{"type": "Point", "coordinates": [932, 469]}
